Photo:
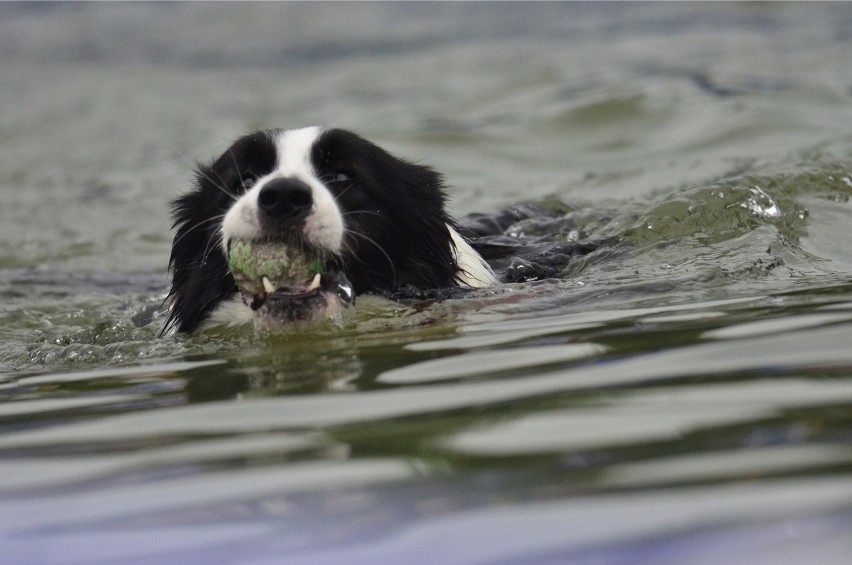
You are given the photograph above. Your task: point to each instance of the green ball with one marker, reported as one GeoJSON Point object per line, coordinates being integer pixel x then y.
{"type": "Point", "coordinates": [283, 266]}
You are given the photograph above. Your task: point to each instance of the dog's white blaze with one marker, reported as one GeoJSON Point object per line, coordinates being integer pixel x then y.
{"type": "Point", "coordinates": [323, 227]}
{"type": "Point", "coordinates": [294, 152]}
{"type": "Point", "coordinates": [473, 270]}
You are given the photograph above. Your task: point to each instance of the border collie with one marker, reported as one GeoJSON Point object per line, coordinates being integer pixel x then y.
{"type": "Point", "coordinates": [372, 222]}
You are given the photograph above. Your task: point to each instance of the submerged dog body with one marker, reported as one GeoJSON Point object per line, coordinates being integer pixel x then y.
{"type": "Point", "coordinates": [364, 220]}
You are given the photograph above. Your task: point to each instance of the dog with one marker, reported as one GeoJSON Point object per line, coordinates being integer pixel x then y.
{"type": "Point", "coordinates": [368, 221]}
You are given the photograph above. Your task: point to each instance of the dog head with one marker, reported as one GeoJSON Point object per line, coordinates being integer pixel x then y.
{"type": "Point", "coordinates": [352, 218]}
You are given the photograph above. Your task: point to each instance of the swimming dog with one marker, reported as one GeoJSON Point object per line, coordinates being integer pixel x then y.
{"type": "Point", "coordinates": [353, 217]}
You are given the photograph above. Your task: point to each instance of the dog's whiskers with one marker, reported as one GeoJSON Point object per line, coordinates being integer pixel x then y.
{"type": "Point", "coordinates": [217, 185]}
{"type": "Point", "coordinates": [369, 212]}
{"type": "Point", "coordinates": [212, 243]}
{"type": "Point", "coordinates": [342, 192]}
{"type": "Point", "coordinates": [187, 231]}
{"type": "Point", "coordinates": [237, 168]}
{"type": "Point", "coordinates": [324, 179]}
{"type": "Point", "coordinates": [200, 169]}
{"type": "Point", "coordinates": [379, 247]}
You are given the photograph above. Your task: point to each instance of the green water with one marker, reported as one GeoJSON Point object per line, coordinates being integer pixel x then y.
{"type": "Point", "coordinates": [681, 394]}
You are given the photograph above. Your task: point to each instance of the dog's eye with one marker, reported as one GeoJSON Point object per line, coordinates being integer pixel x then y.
{"type": "Point", "coordinates": [340, 177]}
{"type": "Point", "coordinates": [247, 183]}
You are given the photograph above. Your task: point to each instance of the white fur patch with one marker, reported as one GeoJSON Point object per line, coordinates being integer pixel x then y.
{"type": "Point", "coordinates": [241, 221]}
{"type": "Point", "coordinates": [231, 312]}
{"type": "Point", "coordinates": [473, 270]}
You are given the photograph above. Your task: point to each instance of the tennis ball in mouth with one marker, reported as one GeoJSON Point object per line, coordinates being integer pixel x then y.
{"type": "Point", "coordinates": [265, 266]}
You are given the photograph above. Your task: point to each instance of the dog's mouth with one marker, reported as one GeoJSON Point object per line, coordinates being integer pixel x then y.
{"type": "Point", "coordinates": [290, 301]}
{"type": "Point", "coordinates": [285, 283]}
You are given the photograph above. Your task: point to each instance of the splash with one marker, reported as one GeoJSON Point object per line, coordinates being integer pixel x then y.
{"type": "Point", "coordinates": [761, 204]}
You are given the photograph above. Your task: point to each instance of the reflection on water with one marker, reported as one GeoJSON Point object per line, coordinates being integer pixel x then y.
{"type": "Point", "coordinates": [679, 394]}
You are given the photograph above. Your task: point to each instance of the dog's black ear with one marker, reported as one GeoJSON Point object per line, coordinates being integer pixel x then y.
{"type": "Point", "coordinates": [200, 277]}
{"type": "Point", "coordinates": [426, 229]}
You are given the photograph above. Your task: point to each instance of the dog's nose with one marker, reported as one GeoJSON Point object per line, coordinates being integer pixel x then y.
{"type": "Point", "coordinates": [285, 199]}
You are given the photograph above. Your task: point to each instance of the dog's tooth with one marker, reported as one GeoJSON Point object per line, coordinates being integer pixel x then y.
{"type": "Point", "coordinates": [315, 283]}
{"type": "Point", "coordinates": [267, 285]}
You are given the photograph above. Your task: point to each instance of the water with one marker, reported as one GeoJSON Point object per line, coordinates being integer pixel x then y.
{"type": "Point", "coordinates": [681, 395]}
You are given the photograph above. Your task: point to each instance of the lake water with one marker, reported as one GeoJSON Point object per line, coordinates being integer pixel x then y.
{"type": "Point", "coordinates": [683, 394]}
